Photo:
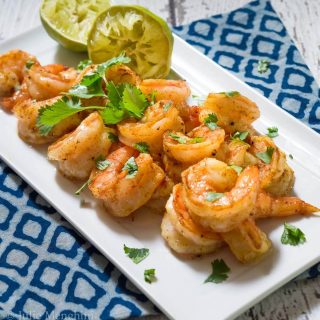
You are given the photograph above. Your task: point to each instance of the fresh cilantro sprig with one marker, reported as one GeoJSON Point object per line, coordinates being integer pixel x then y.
{"type": "Point", "coordinates": [211, 121]}
{"type": "Point", "coordinates": [272, 132]}
{"type": "Point", "coordinates": [142, 147]}
{"type": "Point", "coordinates": [102, 163]}
{"type": "Point", "coordinates": [219, 273]}
{"type": "Point", "coordinates": [214, 196]}
{"type": "Point", "coordinates": [85, 185]}
{"type": "Point", "coordinates": [292, 235]}
{"type": "Point", "coordinates": [150, 275]}
{"type": "Point", "coordinates": [263, 66]}
{"type": "Point", "coordinates": [135, 254]}
{"type": "Point", "coordinates": [131, 167]}
{"type": "Point", "coordinates": [49, 116]}
{"type": "Point", "coordinates": [240, 135]}
{"type": "Point", "coordinates": [266, 156]}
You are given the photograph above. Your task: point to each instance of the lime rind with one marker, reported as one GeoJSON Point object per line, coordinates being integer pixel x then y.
{"type": "Point", "coordinates": [145, 38]}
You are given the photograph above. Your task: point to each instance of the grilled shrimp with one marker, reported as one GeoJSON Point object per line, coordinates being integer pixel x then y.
{"type": "Point", "coordinates": [27, 113]}
{"type": "Point", "coordinates": [237, 194]}
{"type": "Point", "coordinates": [150, 129]}
{"type": "Point", "coordinates": [12, 70]}
{"type": "Point", "coordinates": [235, 113]}
{"type": "Point", "coordinates": [120, 73]}
{"type": "Point", "coordinates": [123, 191]}
{"type": "Point", "coordinates": [276, 177]}
{"type": "Point", "coordinates": [173, 167]}
{"type": "Point", "coordinates": [247, 242]}
{"type": "Point", "coordinates": [268, 206]}
{"type": "Point", "coordinates": [198, 144]}
{"type": "Point", "coordinates": [44, 82]}
{"type": "Point", "coordinates": [77, 151]}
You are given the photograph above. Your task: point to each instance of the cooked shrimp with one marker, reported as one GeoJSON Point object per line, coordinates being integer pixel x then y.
{"type": "Point", "coordinates": [19, 96]}
{"type": "Point", "coordinates": [276, 177]}
{"type": "Point", "coordinates": [268, 206]}
{"type": "Point", "coordinates": [122, 74]}
{"type": "Point", "coordinates": [76, 152]}
{"type": "Point", "coordinates": [237, 194]}
{"type": "Point", "coordinates": [191, 119]}
{"type": "Point", "coordinates": [175, 90]}
{"type": "Point", "coordinates": [123, 193]}
{"type": "Point", "coordinates": [198, 144]}
{"type": "Point", "coordinates": [27, 113]}
{"type": "Point", "coordinates": [150, 129]}
{"type": "Point", "coordinates": [12, 70]}
{"type": "Point", "coordinates": [247, 242]}
{"type": "Point", "coordinates": [173, 167]}
{"type": "Point", "coordinates": [180, 244]}
{"type": "Point", "coordinates": [235, 113]}
{"type": "Point", "coordinates": [46, 82]}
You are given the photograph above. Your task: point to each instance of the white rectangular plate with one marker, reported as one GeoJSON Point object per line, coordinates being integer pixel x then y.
{"type": "Point", "coordinates": [179, 291]}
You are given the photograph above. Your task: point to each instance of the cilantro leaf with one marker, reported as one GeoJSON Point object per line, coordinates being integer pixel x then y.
{"type": "Point", "coordinates": [132, 168]}
{"type": "Point", "coordinates": [150, 275]}
{"type": "Point", "coordinates": [86, 184]}
{"type": "Point", "coordinates": [83, 64]}
{"type": "Point", "coordinates": [102, 163]}
{"type": "Point", "coordinates": [240, 135]}
{"type": "Point", "coordinates": [153, 97]}
{"type": "Point", "coordinates": [263, 65]}
{"type": "Point", "coordinates": [211, 121]}
{"type": "Point", "coordinates": [196, 140]}
{"type": "Point", "coordinates": [136, 255]}
{"type": "Point", "coordinates": [230, 94]}
{"type": "Point", "coordinates": [29, 64]}
{"type": "Point", "coordinates": [219, 271]}
{"type": "Point", "coordinates": [291, 156]}
{"type": "Point", "coordinates": [214, 196]}
{"type": "Point", "coordinates": [49, 116]}
{"type": "Point", "coordinates": [266, 156]}
{"type": "Point", "coordinates": [112, 115]}
{"type": "Point", "coordinates": [115, 93]}
{"type": "Point", "coordinates": [180, 139]}
{"type": "Point", "coordinates": [142, 147]}
{"type": "Point", "coordinates": [272, 132]}
{"type": "Point", "coordinates": [134, 101]}
{"type": "Point", "coordinates": [112, 137]}
{"type": "Point", "coordinates": [292, 235]}
{"type": "Point", "coordinates": [167, 106]}
{"type": "Point", "coordinates": [236, 168]}
{"type": "Point", "coordinates": [121, 59]}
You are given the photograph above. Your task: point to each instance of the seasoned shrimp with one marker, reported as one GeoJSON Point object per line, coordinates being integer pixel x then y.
{"type": "Point", "coordinates": [235, 113]}
{"type": "Point", "coordinates": [175, 90]}
{"type": "Point", "coordinates": [247, 242]}
{"type": "Point", "coordinates": [198, 144]}
{"type": "Point", "coordinates": [123, 192]}
{"type": "Point", "coordinates": [21, 95]}
{"type": "Point", "coordinates": [173, 167]}
{"type": "Point", "coordinates": [12, 70]}
{"type": "Point", "coordinates": [268, 206]}
{"type": "Point", "coordinates": [76, 152]}
{"type": "Point", "coordinates": [44, 82]}
{"type": "Point", "coordinates": [27, 113]}
{"type": "Point", "coordinates": [237, 194]}
{"type": "Point", "coordinates": [276, 177]}
{"type": "Point", "coordinates": [120, 73]}
{"type": "Point", "coordinates": [150, 129]}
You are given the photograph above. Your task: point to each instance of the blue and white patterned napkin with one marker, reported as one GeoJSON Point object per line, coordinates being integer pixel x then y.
{"type": "Point", "coordinates": [48, 270]}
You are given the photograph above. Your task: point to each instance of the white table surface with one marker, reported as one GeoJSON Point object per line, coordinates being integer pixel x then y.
{"type": "Point", "coordinates": [301, 299]}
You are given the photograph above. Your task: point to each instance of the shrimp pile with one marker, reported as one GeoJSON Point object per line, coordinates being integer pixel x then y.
{"type": "Point", "coordinates": [205, 166]}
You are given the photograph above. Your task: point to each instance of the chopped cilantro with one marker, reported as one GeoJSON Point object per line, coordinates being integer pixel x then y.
{"type": "Point", "coordinates": [150, 275]}
{"type": "Point", "coordinates": [131, 167]}
{"type": "Point", "coordinates": [292, 235]}
{"type": "Point", "coordinates": [291, 156]}
{"type": "Point", "coordinates": [167, 106]}
{"type": "Point", "coordinates": [230, 94]}
{"type": "Point", "coordinates": [236, 168]}
{"type": "Point", "coordinates": [211, 121]}
{"type": "Point", "coordinates": [180, 139]}
{"type": "Point", "coordinates": [136, 255]}
{"type": "Point", "coordinates": [86, 184]}
{"type": "Point", "coordinates": [266, 156]}
{"type": "Point", "coordinates": [214, 196]}
{"type": "Point", "coordinates": [142, 147]}
{"type": "Point", "coordinates": [83, 64]}
{"type": "Point", "coordinates": [196, 140]}
{"type": "Point", "coordinates": [240, 135]}
{"type": "Point", "coordinates": [153, 97]}
{"type": "Point", "coordinates": [113, 137]}
{"type": "Point", "coordinates": [272, 132]}
{"type": "Point", "coordinates": [263, 65]}
{"type": "Point", "coordinates": [219, 271]}
{"type": "Point", "coordinates": [29, 64]}
{"type": "Point", "coordinates": [102, 163]}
